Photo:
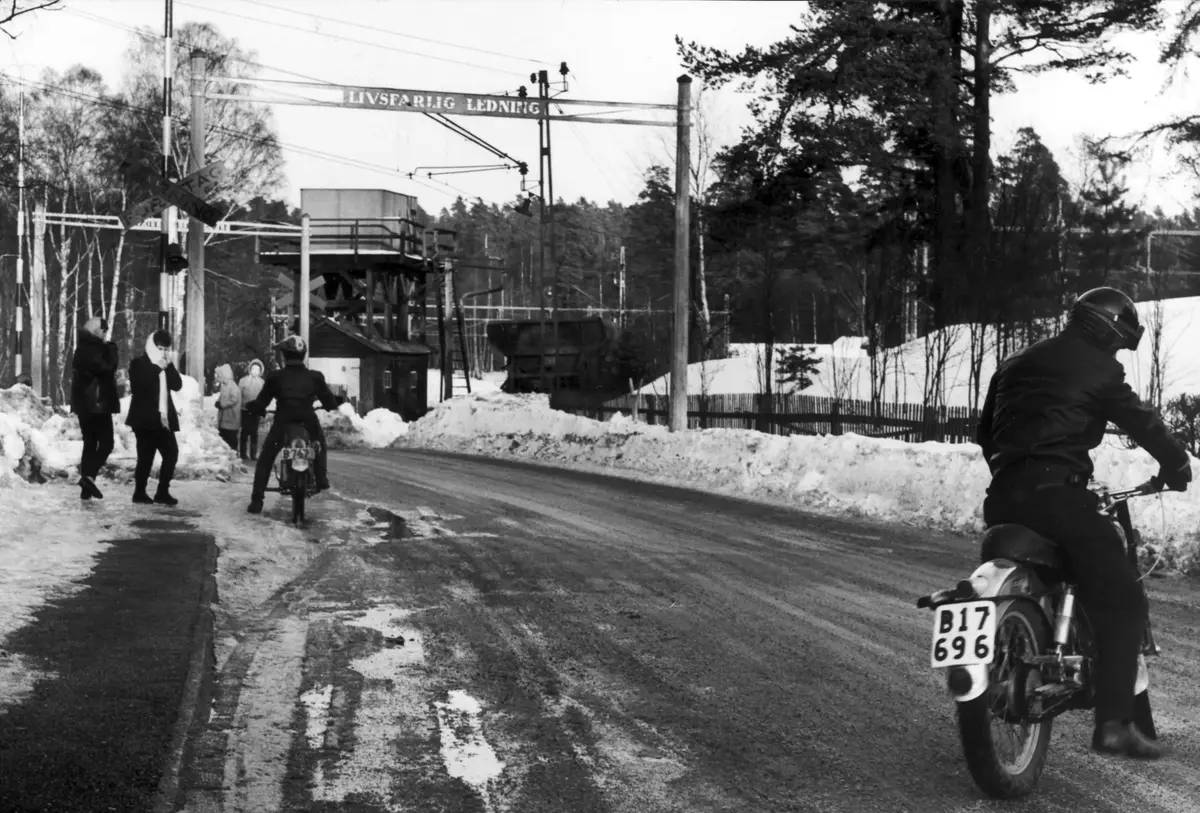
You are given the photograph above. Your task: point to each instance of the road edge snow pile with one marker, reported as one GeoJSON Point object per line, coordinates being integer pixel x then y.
{"type": "Point", "coordinates": [40, 442]}
{"type": "Point", "coordinates": [344, 429]}
{"type": "Point", "coordinates": [935, 485]}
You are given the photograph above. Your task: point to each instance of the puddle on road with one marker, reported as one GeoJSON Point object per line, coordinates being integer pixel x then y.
{"type": "Point", "coordinates": [377, 524]}
{"type": "Point", "coordinates": [387, 525]}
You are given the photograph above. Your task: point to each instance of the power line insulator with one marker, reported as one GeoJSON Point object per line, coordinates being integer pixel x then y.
{"type": "Point", "coordinates": [522, 92]}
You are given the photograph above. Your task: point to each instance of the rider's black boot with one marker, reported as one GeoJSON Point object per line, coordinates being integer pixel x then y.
{"type": "Point", "coordinates": [1124, 739]}
{"type": "Point", "coordinates": [256, 506]}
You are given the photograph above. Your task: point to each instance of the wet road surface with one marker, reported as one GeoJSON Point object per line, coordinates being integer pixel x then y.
{"type": "Point", "coordinates": [478, 635]}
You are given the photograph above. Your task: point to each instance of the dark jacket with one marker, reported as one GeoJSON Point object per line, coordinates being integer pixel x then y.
{"type": "Point", "coordinates": [293, 388]}
{"type": "Point", "coordinates": [1050, 403]}
{"type": "Point", "coordinates": [143, 392]}
{"type": "Point", "coordinates": [94, 376]}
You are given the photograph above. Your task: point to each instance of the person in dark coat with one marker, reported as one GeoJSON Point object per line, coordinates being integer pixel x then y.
{"type": "Point", "coordinates": [293, 388]}
{"type": "Point", "coordinates": [152, 416]}
{"type": "Point", "coordinates": [1047, 406]}
{"type": "Point", "coordinates": [94, 400]}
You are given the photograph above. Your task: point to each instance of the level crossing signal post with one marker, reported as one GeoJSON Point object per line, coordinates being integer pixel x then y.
{"type": "Point", "coordinates": [541, 109]}
{"type": "Point", "coordinates": [188, 193]}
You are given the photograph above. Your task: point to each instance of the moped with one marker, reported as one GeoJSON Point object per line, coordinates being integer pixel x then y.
{"type": "Point", "coordinates": [1017, 651]}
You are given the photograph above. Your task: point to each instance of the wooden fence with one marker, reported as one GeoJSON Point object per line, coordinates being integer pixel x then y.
{"type": "Point", "coordinates": [803, 415]}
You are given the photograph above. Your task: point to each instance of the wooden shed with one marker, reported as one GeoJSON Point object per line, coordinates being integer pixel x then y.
{"type": "Point", "coordinates": [372, 371]}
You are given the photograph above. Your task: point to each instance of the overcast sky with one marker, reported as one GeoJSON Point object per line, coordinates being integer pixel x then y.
{"type": "Point", "coordinates": [615, 50]}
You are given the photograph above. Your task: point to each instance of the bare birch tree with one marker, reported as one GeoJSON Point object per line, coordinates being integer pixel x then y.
{"type": "Point", "coordinates": [65, 151]}
{"type": "Point", "coordinates": [12, 9]}
{"type": "Point", "coordinates": [239, 132]}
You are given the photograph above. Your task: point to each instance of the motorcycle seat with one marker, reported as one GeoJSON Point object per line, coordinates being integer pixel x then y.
{"type": "Point", "coordinates": [295, 431]}
{"type": "Point", "coordinates": [1019, 544]}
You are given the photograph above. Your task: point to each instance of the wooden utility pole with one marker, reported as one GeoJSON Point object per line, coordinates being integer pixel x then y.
{"type": "Point", "coordinates": [195, 320]}
{"type": "Point", "coordinates": [679, 355]}
{"type": "Point", "coordinates": [543, 81]}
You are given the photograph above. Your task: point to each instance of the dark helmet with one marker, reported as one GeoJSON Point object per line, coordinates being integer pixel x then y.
{"type": "Point", "coordinates": [1110, 317]}
{"type": "Point", "coordinates": [293, 347]}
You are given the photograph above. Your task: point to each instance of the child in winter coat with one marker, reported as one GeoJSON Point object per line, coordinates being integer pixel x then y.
{"type": "Point", "coordinates": [229, 406]}
{"type": "Point", "coordinates": [251, 385]}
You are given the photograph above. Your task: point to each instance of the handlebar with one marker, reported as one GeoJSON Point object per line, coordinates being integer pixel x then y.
{"type": "Point", "coordinates": [1109, 500]}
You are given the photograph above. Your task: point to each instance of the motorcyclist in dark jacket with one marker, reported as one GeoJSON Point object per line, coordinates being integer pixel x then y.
{"type": "Point", "coordinates": [293, 388]}
{"type": "Point", "coordinates": [1047, 406]}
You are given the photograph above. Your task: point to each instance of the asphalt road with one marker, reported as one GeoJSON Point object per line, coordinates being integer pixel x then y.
{"type": "Point", "coordinates": [631, 648]}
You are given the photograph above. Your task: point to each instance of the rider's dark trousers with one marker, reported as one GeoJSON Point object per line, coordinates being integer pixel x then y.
{"type": "Point", "coordinates": [270, 448]}
{"type": "Point", "coordinates": [1107, 581]}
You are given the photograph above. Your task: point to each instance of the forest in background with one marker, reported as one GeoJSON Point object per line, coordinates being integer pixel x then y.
{"type": "Point", "coordinates": [863, 201]}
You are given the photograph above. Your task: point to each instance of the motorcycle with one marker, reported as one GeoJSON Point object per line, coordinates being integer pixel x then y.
{"type": "Point", "coordinates": [1017, 651]}
{"type": "Point", "coordinates": [294, 467]}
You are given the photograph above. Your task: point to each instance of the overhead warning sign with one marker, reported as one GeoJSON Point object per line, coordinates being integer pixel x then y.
{"type": "Point", "coordinates": [461, 104]}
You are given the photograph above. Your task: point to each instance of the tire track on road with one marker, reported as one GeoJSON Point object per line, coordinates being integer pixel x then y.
{"type": "Point", "coordinates": [748, 675]}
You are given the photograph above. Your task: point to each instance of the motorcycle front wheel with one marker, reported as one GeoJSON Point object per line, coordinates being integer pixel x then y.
{"type": "Point", "coordinates": [1006, 757]}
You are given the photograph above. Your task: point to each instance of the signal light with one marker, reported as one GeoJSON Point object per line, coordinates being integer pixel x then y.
{"type": "Point", "coordinates": [176, 260]}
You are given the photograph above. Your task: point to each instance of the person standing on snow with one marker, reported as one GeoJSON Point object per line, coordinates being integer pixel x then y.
{"type": "Point", "coordinates": [94, 400]}
{"type": "Point", "coordinates": [251, 385]}
{"type": "Point", "coordinates": [229, 406]}
{"type": "Point", "coordinates": [152, 416]}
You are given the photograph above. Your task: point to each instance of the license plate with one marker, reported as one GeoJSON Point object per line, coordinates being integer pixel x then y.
{"type": "Point", "coordinates": [964, 634]}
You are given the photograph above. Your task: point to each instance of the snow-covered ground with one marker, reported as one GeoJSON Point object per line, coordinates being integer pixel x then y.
{"type": "Point", "coordinates": [845, 368]}
{"type": "Point", "coordinates": [345, 429]}
{"type": "Point", "coordinates": [481, 385]}
{"type": "Point", "coordinates": [42, 559]}
{"type": "Point", "coordinates": [33, 434]}
{"type": "Point", "coordinates": [39, 459]}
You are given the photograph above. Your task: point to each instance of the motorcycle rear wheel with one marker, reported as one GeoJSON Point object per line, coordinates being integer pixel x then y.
{"type": "Point", "coordinates": [1021, 632]}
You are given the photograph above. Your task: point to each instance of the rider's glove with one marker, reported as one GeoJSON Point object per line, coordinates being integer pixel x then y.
{"type": "Point", "coordinates": [1178, 479]}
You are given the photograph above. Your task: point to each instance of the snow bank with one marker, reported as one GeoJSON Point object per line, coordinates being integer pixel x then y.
{"type": "Point", "coordinates": [842, 375]}
{"type": "Point", "coordinates": [745, 369]}
{"type": "Point", "coordinates": [344, 429]}
{"type": "Point", "coordinates": [38, 442]}
{"type": "Point", "coordinates": [845, 367]}
{"type": "Point", "coordinates": [929, 484]}
{"type": "Point", "coordinates": [25, 450]}
{"type": "Point", "coordinates": [487, 382]}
